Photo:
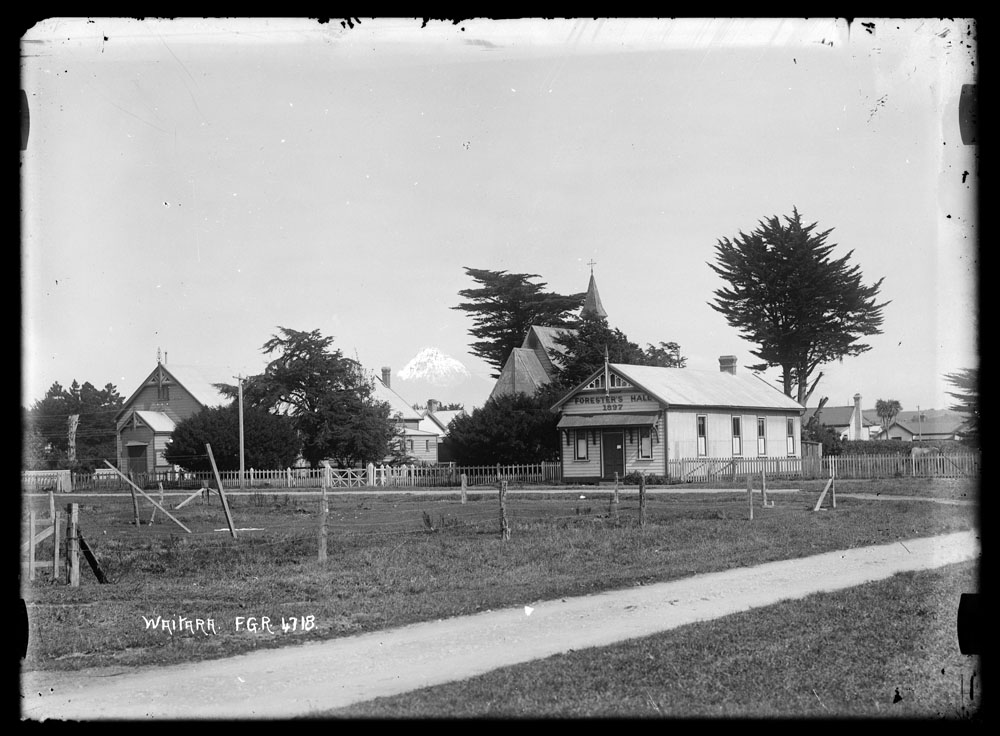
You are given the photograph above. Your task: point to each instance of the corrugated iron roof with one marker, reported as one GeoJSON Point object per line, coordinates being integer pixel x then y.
{"type": "Point", "coordinates": [930, 426]}
{"type": "Point", "coordinates": [156, 420]}
{"type": "Point", "coordinates": [677, 387]}
{"type": "Point", "coordinates": [837, 416]}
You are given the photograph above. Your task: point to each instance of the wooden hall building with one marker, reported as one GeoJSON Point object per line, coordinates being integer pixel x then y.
{"type": "Point", "coordinates": [147, 419]}
{"type": "Point", "coordinates": [630, 418]}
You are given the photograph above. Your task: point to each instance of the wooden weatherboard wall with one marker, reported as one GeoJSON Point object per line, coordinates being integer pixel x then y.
{"type": "Point", "coordinates": [612, 422]}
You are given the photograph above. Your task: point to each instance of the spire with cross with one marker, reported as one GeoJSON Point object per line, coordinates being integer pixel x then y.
{"type": "Point", "coordinates": [592, 306]}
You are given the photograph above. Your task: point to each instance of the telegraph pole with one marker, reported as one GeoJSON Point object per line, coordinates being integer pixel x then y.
{"type": "Point", "coordinates": [239, 380]}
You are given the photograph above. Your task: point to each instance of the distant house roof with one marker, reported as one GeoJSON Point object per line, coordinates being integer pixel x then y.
{"type": "Point", "coordinates": [942, 427]}
{"type": "Point", "coordinates": [445, 417]}
{"type": "Point", "coordinates": [837, 416]}
{"type": "Point", "coordinates": [438, 421]}
{"type": "Point", "coordinates": [698, 388]}
{"type": "Point", "coordinates": [397, 405]}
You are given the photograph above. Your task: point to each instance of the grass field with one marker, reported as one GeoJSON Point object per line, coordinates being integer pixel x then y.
{"type": "Point", "coordinates": [886, 649]}
{"type": "Point", "coordinates": [395, 560]}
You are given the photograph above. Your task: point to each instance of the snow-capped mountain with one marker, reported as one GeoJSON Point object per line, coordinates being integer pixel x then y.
{"type": "Point", "coordinates": [432, 366]}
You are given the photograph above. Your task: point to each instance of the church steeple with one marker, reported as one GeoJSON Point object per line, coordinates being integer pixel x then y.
{"type": "Point", "coordinates": [592, 306]}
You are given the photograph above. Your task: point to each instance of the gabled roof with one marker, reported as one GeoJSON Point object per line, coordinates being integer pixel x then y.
{"type": "Point", "coordinates": [680, 387]}
{"type": "Point", "coordinates": [445, 417]}
{"type": "Point", "coordinates": [438, 421]}
{"type": "Point", "coordinates": [548, 339]}
{"type": "Point", "coordinates": [837, 416]}
{"type": "Point", "coordinates": [522, 373]}
{"type": "Point", "coordinates": [942, 426]}
{"type": "Point", "coordinates": [187, 376]}
{"type": "Point", "coordinates": [155, 420]}
{"type": "Point", "coordinates": [397, 405]}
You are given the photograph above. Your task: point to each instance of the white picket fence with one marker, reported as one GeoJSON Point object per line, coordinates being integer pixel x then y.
{"type": "Point", "coordinates": [382, 476]}
{"type": "Point", "coordinates": [37, 481]}
{"type": "Point", "coordinates": [451, 475]}
{"type": "Point", "coordinates": [699, 469]}
{"type": "Point", "coordinates": [966, 465]}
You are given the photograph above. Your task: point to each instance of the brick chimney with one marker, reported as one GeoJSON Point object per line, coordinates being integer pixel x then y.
{"type": "Point", "coordinates": [857, 417]}
{"type": "Point", "coordinates": [386, 375]}
{"type": "Point", "coordinates": [432, 405]}
{"type": "Point", "coordinates": [727, 364]}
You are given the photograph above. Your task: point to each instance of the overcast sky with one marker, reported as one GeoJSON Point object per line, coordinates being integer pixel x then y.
{"type": "Point", "coordinates": [191, 185]}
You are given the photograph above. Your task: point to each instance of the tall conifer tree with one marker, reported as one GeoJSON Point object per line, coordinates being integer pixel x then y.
{"type": "Point", "coordinates": [505, 306]}
{"type": "Point", "coordinates": [788, 295]}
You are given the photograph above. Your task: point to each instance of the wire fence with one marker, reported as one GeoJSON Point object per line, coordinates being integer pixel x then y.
{"type": "Point", "coordinates": [683, 470]}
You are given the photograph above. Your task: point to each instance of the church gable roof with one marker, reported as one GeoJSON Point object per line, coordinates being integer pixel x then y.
{"type": "Point", "coordinates": [188, 378]}
{"type": "Point", "coordinates": [522, 373]}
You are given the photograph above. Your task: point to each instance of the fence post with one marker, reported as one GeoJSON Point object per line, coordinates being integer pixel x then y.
{"type": "Point", "coordinates": [763, 490]}
{"type": "Point", "coordinates": [504, 526]}
{"type": "Point", "coordinates": [323, 509]}
{"type": "Point", "coordinates": [55, 546]}
{"type": "Point", "coordinates": [833, 491]}
{"type": "Point", "coordinates": [371, 474]}
{"type": "Point", "coordinates": [135, 504]}
{"type": "Point", "coordinates": [750, 494]}
{"type": "Point", "coordinates": [31, 544]}
{"type": "Point", "coordinates": [465, 486]}
{"type": "Point", "coordinates": [73, 544]}
{"type": "Point", "coordinates": [642, 499]}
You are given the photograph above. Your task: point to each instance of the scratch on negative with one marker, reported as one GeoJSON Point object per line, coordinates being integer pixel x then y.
{"type": "Point", "coordinates": [905, 547]}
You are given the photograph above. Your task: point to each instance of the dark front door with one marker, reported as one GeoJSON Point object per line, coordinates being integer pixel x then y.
{"type": "Point", "coordinates": [136, 459]}
{"type": "Point", "coordinates": [613, 454]}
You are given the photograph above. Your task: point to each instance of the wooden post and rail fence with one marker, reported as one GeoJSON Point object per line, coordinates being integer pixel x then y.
{"type": "Point", "coordinates": [66, 550]}
{"type": "Point", "coordinates": [914, 464]}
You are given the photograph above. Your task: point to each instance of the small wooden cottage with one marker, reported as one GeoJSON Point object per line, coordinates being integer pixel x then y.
{"type": "Point", "coordinates": [627, 418]}
{"type": "Point", "coordinates": [149, 416]}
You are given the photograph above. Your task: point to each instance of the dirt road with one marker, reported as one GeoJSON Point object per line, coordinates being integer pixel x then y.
{"type": "Point", "coordinates": [316, 677]}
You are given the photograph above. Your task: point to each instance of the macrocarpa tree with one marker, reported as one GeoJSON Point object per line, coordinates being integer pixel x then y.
{"type": "Point", "coordinates": [800, 305]}
{"type": "Point", "coordinates": [966, 382]}
{"type": "Point", "coordinates": [328, 397]}
{"type": "Point", "coordinates": [505, 305]}
{"type": "Point", "coordinates": [513, 428]}
{"type": "Point", "coordinates": [269, 440]}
